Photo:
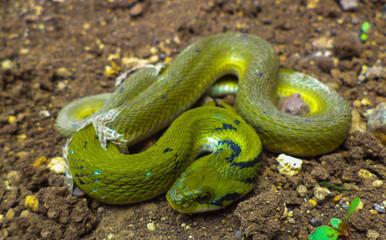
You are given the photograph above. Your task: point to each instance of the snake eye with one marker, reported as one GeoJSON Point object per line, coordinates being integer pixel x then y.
{"type": "Point", "coordinates": [203, 198]}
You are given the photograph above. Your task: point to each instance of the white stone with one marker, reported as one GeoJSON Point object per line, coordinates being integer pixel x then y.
{"type": "Point", "coordinates": [288, 165]}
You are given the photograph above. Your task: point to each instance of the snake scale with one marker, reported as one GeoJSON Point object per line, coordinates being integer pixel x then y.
{"type": "Point", "coordinates": [209, 156]}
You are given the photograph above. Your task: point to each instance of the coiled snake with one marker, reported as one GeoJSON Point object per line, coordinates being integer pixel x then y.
{"type": "Point", "coordinates": [209, 156]}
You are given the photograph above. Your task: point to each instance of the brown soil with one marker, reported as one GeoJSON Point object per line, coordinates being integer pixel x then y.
{"type": "Point", "coordinates": [41, 37]}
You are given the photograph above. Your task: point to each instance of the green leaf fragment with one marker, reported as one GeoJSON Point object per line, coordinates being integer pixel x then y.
{"type": "Point", "coordinates": [324, 233]}
{"type": "Point", "coordinates": [335, 222]}
{"type": "Point", "coordinates": [353, 205]}
{"type": "Point", "coordinates": [364, 37]}
{"type": "Point", "coordinates": [366, 26]}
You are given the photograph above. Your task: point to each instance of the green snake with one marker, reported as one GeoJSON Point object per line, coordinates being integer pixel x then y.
{"type": "Point", "coordinates": [209, 156]}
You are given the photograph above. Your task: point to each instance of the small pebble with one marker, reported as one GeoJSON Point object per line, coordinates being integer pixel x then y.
{"type": "Point", "coordinates": [288, 165]}
{"type": "Point", "coordinates": [315, 221]}
{"type": "Point", "coordinates": [337, 198]}
{"type": "Point", "coordinates": [62, 85]}
{"type": "Point", "coordinates": [136, 10]}
{"type": "Point", "coordinates": [366, 174]}
{"type": "Point", "coordinates": [63, 72]}
{"type": "Point", "coordinates": [32, 203]}
{"type": "Point", "coordinates": [371, 73]}
{"type": "Point", "coordinates": [291, 220]}
{"type": "Point", "coordinates": [360, 206]}
{"type": "Point", "coordinates": [58, 165]}
{"type": "Point", "coordinates": [10, 213]}
{"type": "Point", "coordinates": [313, 202]}
{"type": "Point", "coordinates": [24, 214]}
{"type": "Point", "coordinates": [372, 235]}
{"type": "Point", "coordinates": [45, 113]}
{"type": "Point", "coordinates": [373, 212]}
{"type": "Point", "coordinates": [377, 183]}
{"type": "Point", "coordinates": [349, 4]}
{"type": "Point", "coordinates": [320, 193]}
{"type": "Point", "coordinates": [7, 64]}
{"type": "Point", "coordinates": [151, 226]}
{"type": "Point", "coordinates": [357, 124]}
{"type": "Point", "coordinates": [344, 203]}
{"type": "Point", "coordinates": [302, 190]}
{"type": "Point", "coordinates": [379, 208]}
{"type": "Point", "coordinates": [239, 234]}
{"type": "Point", "coordinates": [377, 121]}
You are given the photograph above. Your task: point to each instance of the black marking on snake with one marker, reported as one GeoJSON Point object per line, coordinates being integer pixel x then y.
{"type": "Point", "coordinates": [164, 96]}
{"type": "Point", "coordinates": [237, 122]}
{"type": "Point", "coordinates": [85, 144]}
{"type": "Point", "coordinates": [250, 163]}
{"type": "Point", "coordinates": [121, 89]}
{"type": "Point", "coordinates": [217, 151]}
{"type": "Point", "coordinates": [227, 197]}
{"type": "Point", "coordinates": [307, 120]}
{"type": "Point", "coordinates": [198, 51]}
{"type": "Point", "coordinates": [176, 163]}
{"type": "Point", "coordinates": [167, 150]}
{"type": "Point", "coordinates": [249, 180]}
{"type": "Point", "coordinates": [235, 148]}
{"type": "Point", "coordinates": [225, 127]}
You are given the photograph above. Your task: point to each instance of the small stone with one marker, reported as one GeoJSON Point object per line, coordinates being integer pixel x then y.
{"type": "Point", "coordinates": [373, 212]}
{"type": "Point", "coordinates": [291, 220]}
{"type": "Point", "coordinates": [288, 165]}
{"type": "Point", "coordinates": [23, 155]}
{"type": "Point", "coordinates": [313, 202]}
{"type": "Point", "coordinates": [7, 65]}
{"type": "Point", "coordinates": [344, 203]}
{"type": "Point", "coordinates": [62, 85]}
{"type": "Point", "coordinates": [377, 121]}
{"type": "Point", "coordinates": [58, 165]}
{"type": "Point", "coordinates": [315, 221]}
{"type": "Point", "coordinates": [337, 198]}
{"type": "Point", "coordinates": [14, 177]}
{"type": "Point", "coordinates": [323, 43]}
{"type": "Point", "coordinates": [371, 73]}
{"type": "Point", "coordinates": [32, 203]}
{"type": "Point", "coordinates": [1, 218]}
{"type": "Point", "coordinates": [379, 208]}
{"type": "Point", "coordinates": [366, 174]}
{"type": "Point", "coordinates": [320, 193]}
{"type": "Point", "coordinates": [153, 59]}
{"type": "Point", "coordinates": [372, 235]}
{"type": "Point", "coordinates": [45, 113]}
{"type": "Point", "coordinates": [360, 206]}
{"type": "Point", "coordinates": [319, 173]}
{"type": "Point", "coordinates": [357, 124]}
{"type": "Point", "coordinates": [63, 73]}
{"type": "Point", "coordinates": [349, 4]}
{"type": "Point", "coordinates": [151, 226]}
{"type": "Point", "coordinates": [136, 10]}
{"type": "Point", "coordinates": [302, 190]}
{"type": "Point", "coordinates": [95, 204]}
{"type": "Point", "coordinates": [10, 213]}
{"type": "Point", "coordinates": [24, 214]}
{"type": "Point", "coordinates": [377, 183]}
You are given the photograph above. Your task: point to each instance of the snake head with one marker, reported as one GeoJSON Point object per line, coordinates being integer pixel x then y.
{"type": "Point", "coordinates": [203, 188]}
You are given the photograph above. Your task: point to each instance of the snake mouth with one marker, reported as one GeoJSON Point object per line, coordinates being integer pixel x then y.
{"type": "Point", "coordinates": [177, 201]}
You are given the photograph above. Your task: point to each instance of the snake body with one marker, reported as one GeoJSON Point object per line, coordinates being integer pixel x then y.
{"type": "Point", "coordinates": [209, 156]}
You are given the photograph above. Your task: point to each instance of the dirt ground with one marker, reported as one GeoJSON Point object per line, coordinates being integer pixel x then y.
{"type": "Point", "coordinates": [55, 51]}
